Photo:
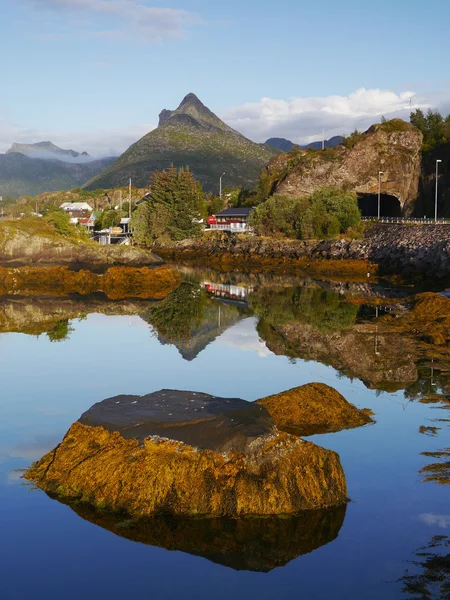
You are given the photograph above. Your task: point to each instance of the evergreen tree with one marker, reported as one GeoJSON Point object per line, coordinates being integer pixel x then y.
{"type": "Point", "coordinates": [174, 209]}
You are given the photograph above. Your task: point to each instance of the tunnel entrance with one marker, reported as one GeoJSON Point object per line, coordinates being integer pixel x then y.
{"type": "Point", "coordinates": [390, 205]}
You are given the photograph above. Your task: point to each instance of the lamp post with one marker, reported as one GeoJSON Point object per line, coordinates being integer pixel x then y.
{"type": "Point", "coordinates": [220, 187]}
{"type": "Point", "coordinates": [380, 173]}
{"type": "Point", "coordinates": [436, 191]}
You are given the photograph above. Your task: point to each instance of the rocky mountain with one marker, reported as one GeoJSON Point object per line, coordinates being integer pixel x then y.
{"type": "Point", "coordinates": [286, 145]}
{"type": "Point", "coordinates": [21, 175]}
{"type": "Point", "coordinates": [190, 135]}
{"type": "Point", "coordinates": [393, 147]}
{"type": "Point", "coordinates": [48, 150]}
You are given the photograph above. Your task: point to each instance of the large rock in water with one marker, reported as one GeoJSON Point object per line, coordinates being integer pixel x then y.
{"type": "Point", "coordinates": [314, 408]}
{"type": "Point", "coordinates": [189, 454]}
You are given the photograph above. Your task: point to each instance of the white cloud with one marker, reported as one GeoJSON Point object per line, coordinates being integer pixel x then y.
{"type": "Point", "coordinates": [97, 142]}
{"type": "Point", "coordinates": [127, 18]}
{"type": "Point", "coordinates": [442, 521]}
{"type": "Point", "coordinates": [244, 336]}
{"type": "Point", "coordinates": [302, 119]}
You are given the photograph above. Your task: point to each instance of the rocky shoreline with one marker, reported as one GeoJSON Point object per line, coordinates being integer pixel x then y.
{"type": "Point", "coordinates": [405, 250]}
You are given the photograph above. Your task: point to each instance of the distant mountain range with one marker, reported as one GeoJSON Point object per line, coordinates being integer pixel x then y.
{"type": "Point", "coordinates": [286, 145]}
{"type": "Point", "coordinates": [190, 135]}
{"type": "Point", "coordinates": [49, 151]}
{"type": "Point", "coordinates": [21, 175]}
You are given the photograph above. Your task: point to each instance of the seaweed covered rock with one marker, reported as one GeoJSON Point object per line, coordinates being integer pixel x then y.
{"type": "Point", "coordinates": [189, 454]}
{"type": "Point", "coordinates": [240, 544]}
{"type": "Point", "coordinates": [313, 408]}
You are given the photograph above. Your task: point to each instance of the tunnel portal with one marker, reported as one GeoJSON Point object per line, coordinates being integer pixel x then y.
{"type": "Point", "coordinates": [390, 205]}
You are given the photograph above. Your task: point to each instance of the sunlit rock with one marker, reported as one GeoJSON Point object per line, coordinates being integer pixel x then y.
{"type": "Point", "coordinates": [314, 408]}
{"type": "Point", "coordinates": [189, 454]}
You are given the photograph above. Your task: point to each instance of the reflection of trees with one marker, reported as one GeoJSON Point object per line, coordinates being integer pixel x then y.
{"type": "Point", "coordinates": [321, 309]}
{"type": "Point", "coordinates": [433, 578]}
{"type": "Point", "coordinates": [177, 315]}
{"type": "Point", "coordinates": [60, 332]}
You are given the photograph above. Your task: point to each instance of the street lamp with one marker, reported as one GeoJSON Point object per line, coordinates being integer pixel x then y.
{"type": "Point", "coordinates": [436, 192]}
{"type": "Point", "coordinates": [380, 173]}
{"type": "Point", "coordinates": [220, 193]}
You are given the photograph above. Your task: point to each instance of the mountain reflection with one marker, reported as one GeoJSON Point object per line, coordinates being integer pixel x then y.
{"type": "Point", "coordinates": [249, 544]}
{"type": "Point", "coordinates": [324, 321]}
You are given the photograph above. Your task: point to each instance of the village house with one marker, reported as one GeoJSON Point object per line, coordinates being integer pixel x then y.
{"type": "Point", "coordinates": [80, 212]}
{"type": "Point", "coordinates": [234, 220]}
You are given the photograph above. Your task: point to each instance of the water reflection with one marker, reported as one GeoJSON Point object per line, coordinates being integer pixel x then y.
{"type": "Point", "coordinates": [352, 327]}
{"type": "Point", "coordinates": [432, 576]}
{"type": "Point", "coordinates": [244, 544]}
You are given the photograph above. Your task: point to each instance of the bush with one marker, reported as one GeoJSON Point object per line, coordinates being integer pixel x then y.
{"type": "Point", "coordinates": [60, 220]}
{"type": "Point", "coordinates": [331, 211]}
{"type": "Point", "coordinates": [279, 215]}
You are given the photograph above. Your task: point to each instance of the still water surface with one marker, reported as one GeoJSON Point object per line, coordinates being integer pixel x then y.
{"type": "Point", "coordinates": [248, 340]}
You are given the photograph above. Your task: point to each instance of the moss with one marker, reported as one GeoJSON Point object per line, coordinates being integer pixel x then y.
{"type": "Point", "coordinates": [162, 476]}
{"type": "Point", "coordinates": [314, 408]}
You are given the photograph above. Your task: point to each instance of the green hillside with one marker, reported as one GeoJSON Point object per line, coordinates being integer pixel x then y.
{"type": "Point", "coordinates": [190, 135]}
{"type": "Point", "coordinates": [21, 175]}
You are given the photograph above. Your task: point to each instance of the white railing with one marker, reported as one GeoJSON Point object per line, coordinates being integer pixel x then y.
{"type": "Point", "coordinates": [234, 227]}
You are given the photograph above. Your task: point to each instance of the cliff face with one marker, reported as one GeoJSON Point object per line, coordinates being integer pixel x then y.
{"type": "Point", "coordinates": [392, 147]}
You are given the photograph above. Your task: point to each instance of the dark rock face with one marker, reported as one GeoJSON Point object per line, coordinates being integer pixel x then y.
{"type": "Point", "coordinates": [240, 544]}
{"type": "Point", "coordinates": [200, 420]}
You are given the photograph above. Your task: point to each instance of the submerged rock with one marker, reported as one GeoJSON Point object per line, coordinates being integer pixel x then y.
{"type": "Point", "coordinates": [187, 454]}
{"type": "Point", "coordinates": [314, 408]}
{"type": "Point", "coordinates": [241, 544]}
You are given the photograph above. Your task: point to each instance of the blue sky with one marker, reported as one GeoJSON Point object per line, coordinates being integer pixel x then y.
{"type": "Point", "coordinates": [94, 74]}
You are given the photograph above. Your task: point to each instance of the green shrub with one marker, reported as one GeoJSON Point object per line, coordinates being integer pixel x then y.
{"type": "Point", "coordinates": [60, 220]}
{"type": "Point", "coordinates": [278, 216]}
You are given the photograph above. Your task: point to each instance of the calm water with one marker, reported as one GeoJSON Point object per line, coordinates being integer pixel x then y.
{"type": "Point", "coordinates": [260, 338]}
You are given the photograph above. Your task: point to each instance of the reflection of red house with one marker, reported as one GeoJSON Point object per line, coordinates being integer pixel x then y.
{"type": "Point", "coordinates": [226, 291]}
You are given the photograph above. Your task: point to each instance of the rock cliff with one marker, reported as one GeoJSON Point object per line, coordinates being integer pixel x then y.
{"type": "Point", "coordinates": [393, 147]}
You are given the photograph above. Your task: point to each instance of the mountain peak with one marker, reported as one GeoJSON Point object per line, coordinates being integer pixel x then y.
{"type": "Point", "coordinates": [191, 100]}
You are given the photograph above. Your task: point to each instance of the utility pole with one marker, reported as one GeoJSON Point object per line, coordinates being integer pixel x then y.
{"type": "Point", "coordinates": [220, 185]}
{"type": "Point", "coordinates": [380, 173]}
{"type": "Point", "coordinates": [129, 201]}
{"type": "Point", "coordinates": [436, 191]}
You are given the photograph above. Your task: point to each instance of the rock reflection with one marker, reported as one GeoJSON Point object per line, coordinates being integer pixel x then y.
{"type": "Point", "coordinates": [437, 472]}
{"type": "Point", "coordinates": [242, 544]}
{"type": "Point", "coordinates": [433, 577]}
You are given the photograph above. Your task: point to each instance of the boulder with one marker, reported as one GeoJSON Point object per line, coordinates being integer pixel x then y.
{"type": "Point", "coordinates": [313, 408]}
{"type": "Point", "coordinates": [189, 454]}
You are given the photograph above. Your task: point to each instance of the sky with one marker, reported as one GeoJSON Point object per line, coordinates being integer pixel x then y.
{"type": "Point", "coordinates": [93, 75]}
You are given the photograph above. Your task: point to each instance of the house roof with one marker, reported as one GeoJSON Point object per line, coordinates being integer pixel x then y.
{"type": "Point", "coordinates": [69, 206]}
{"type": "Point", "coordinates": [242, 211]}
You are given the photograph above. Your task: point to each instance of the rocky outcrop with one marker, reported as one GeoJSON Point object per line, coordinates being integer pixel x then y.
{"type": "Point", "coordinates": [33, 241]}
{"type": "Point", "coordinates": [189, 454]}
{"type": "Point", "coordinates": [405, 250]}
{"type": "Point", "coordinates": [314, 408]}
{"type": "Point", "coordinates": [393, 147]}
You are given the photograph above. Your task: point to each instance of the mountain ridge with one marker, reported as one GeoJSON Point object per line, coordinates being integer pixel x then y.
{"type": "Point", "coordinates": [47, 151]}
{"type": "Point", "coordinates": [191, 135]}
